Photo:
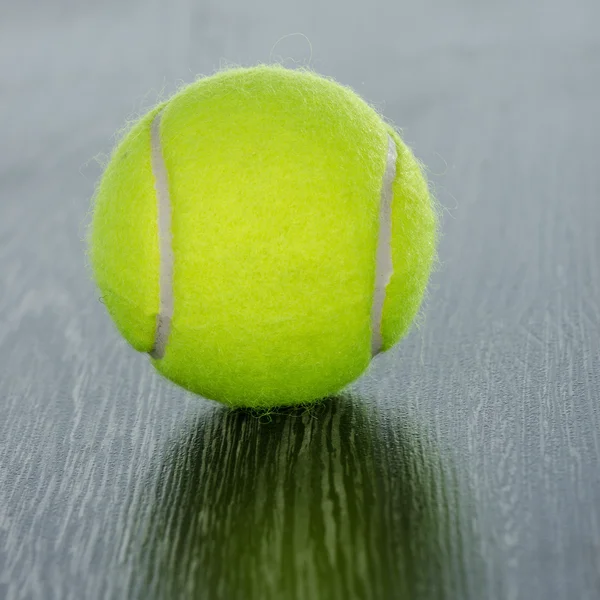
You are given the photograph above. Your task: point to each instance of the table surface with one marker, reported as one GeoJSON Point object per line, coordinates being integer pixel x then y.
{"type": "Point", "coordinates": [465, 464]}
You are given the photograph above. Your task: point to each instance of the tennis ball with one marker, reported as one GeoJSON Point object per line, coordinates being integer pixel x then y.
{"type": "Point", "coordinates": [262, 235]}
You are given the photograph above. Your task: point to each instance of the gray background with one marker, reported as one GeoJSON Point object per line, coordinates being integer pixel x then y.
{"type": "Point", "coordinates": [464, 464]}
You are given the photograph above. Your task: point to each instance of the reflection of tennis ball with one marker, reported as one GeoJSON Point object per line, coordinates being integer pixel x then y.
{"type": "Point", "coordinates": [262, 235]}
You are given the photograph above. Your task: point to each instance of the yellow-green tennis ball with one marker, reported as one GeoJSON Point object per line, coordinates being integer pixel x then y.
{"type": "Point", "coordinates": [262, 235]}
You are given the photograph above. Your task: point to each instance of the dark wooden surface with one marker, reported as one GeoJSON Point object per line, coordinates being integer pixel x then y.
{"type": "Point", "coordinates": [464, 465]}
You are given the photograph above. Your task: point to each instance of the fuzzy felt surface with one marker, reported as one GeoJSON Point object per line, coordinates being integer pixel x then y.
{"type": "Point", "coordinates": [123, 240]}
{"type": "Point", "coordinates": [275, 180]}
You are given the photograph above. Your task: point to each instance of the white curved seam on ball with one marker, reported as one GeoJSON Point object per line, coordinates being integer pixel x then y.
{"type": "Point", "coordinates": [165, 246]}
{"type": "Point", "coordinates": [384, 266]}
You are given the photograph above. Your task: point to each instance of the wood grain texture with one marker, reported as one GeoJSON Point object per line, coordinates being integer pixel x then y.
{"type": "Point", "coordinates": [464, 465]}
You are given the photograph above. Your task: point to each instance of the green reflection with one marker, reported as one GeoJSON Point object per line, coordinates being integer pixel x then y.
{"type": "Point", "coordinates": [343, 502]}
